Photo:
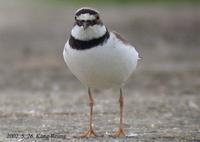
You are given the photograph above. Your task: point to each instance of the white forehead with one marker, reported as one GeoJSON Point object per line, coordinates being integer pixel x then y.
{"type": "Point", "coordinates": [86, 16]}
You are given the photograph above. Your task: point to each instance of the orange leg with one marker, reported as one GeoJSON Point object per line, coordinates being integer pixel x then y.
{"type": "Point", "coordinates": [90, 132]}
{"type": "Point", "coordinates": [120, 131]}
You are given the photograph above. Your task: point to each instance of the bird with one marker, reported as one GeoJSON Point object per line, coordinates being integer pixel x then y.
{"type": "Point", "coordinates": [100, 59]}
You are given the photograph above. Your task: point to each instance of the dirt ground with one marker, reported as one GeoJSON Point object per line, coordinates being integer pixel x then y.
{"type": "Point", "coordinates": [40, 97]}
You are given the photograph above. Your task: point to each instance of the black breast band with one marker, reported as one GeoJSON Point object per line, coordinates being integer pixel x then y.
{"type": "Point", "coordinates": [83, 45]}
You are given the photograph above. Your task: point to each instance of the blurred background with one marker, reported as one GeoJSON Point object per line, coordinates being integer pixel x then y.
{"type": "Point", "coordinates": [38, 93]}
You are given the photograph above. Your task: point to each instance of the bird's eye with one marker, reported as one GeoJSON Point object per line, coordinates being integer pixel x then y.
{"type": "Point", "coordinates": [97, 17]}
{"type": "Point", "coordinates": [75, 18]}
{"type": "Point", "coordinates": [78, 22]}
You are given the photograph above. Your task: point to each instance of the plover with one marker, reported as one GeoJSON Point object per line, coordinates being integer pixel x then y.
{"type": "Point", "coordinates": [99, 58]}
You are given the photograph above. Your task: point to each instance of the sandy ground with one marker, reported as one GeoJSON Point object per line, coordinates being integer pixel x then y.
{"type": "Point", "coordinates": [40, 96]}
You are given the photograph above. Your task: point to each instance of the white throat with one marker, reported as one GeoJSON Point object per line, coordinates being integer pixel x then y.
{"type": "Point", "coordinates": [91, 32]}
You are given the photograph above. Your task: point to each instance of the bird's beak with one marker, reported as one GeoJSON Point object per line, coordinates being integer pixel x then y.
{"type": "Point", "coordinates": [85, 25]}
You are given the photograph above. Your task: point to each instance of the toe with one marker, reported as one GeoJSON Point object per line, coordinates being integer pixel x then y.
{"type": "Point", "coordinates": [119, 133]}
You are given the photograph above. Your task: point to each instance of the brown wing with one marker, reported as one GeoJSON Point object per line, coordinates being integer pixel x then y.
{"type": "Point", "coordinates": [123, 40]}
{"type": "Point", "coordinates": [120, 37]}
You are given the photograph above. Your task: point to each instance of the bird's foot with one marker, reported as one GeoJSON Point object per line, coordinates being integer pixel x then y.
{"type": "Point", "coordinates": [119, 133]}
{"type": "Point", "coordinates": [89, 133]}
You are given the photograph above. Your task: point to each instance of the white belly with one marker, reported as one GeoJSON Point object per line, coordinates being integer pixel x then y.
{"type": "Point", "coordinates": [104, 66]}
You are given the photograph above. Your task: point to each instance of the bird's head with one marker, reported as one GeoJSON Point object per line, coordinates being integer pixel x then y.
{"type": "Point", "coordinates": [88, 24]}
{"type": "Point", "coordinates": [86, 17]}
